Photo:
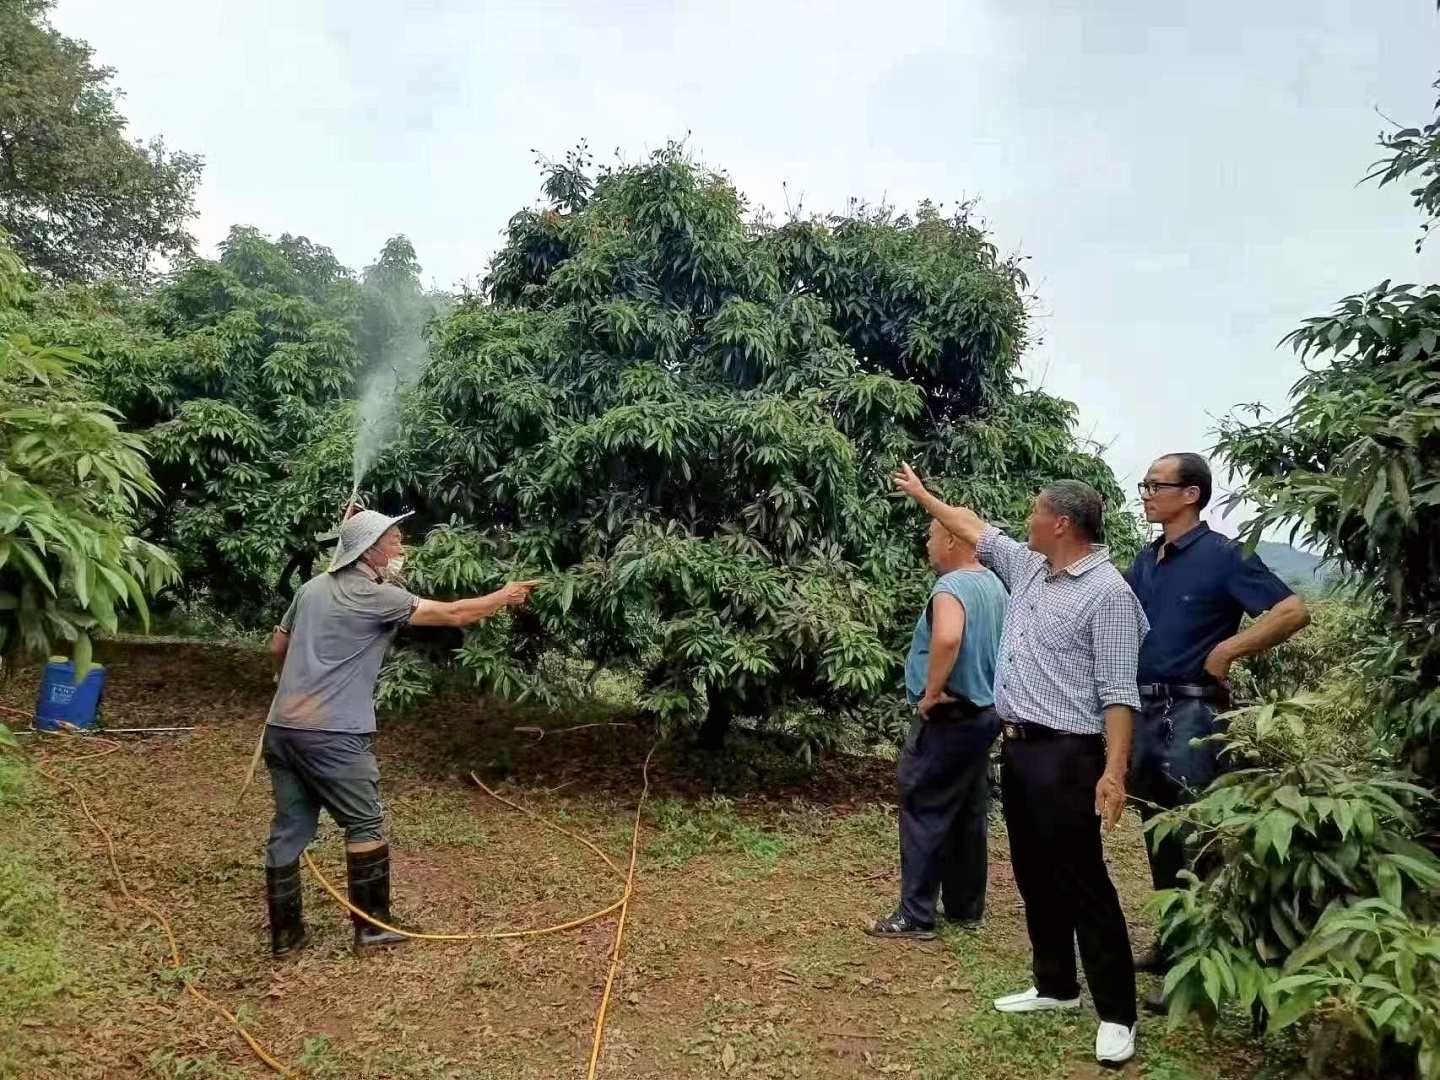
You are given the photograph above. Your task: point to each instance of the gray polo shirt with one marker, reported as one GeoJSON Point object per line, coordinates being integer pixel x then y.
{"type": "Point", "coordinates": [1071, 640]}
{"type": "Point", "coordinates": [340, 626]}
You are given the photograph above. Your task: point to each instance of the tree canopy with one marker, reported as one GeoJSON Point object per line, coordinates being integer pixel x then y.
{"type": "Point", "coordinates": [1320, 899]}
{"type": "Point", "coordinates": [1354, 464]}
{"type": "Point", "coordinates": [79, 199]}
{"type": "Point", "coordinates": [71, 485]}
{"type": "Point", "coordinates": [241, 373]}
{"type": "Point", "coordinates": [686, 420]}
{"type": "Point", "coordinates": [682, 415]}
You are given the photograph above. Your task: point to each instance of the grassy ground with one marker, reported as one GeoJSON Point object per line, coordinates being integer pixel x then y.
{"type": "Point", "coordinates": [743, 956]}
{"type": "Point", "coordinates": [33, 972]}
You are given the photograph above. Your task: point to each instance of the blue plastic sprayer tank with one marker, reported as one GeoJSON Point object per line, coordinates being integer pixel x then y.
{"type": "Point", "coordinates": [63, 700]}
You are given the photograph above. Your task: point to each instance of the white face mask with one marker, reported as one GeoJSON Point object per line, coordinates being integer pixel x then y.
{"type": "Point", "coordinates": [394, 568]}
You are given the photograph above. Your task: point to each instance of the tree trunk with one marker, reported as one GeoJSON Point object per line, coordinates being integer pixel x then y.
{"type": "Point", "coordinates": [1259, 1019]}
{"type": "Point", "coordinates": [718, 714]}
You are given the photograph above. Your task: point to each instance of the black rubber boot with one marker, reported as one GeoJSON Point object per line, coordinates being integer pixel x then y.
{"type": "Point", "coordinates": [368, 873]}
{"type": "Point", "coordinates": [283, 897]}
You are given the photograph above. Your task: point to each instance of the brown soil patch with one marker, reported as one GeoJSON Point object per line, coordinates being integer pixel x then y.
{"type": "Point", "coordinates": [738, 962]}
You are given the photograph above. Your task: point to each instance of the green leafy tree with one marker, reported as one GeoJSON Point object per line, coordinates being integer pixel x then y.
{"type": "Point", "coordinates": [1354, 464]}
{"type": "Point", "coordinates": [1287, 920]}
{"type": "Point", "coordinates": [71, 486]}
{"type": "Point", "coordinates": [242, 373]}
{"type": "Point", "coordinates": [78, 198]}
{"type": "Point", "coordinates": [686, 420]}
{"type": "Point", "coordinates": [681, 415]}
{"type": "Point", "coordinates": [239, 372]}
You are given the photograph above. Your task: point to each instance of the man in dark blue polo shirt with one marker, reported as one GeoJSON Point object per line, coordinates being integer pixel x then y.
{"type": "Point", "coordinates": [1195, 585]}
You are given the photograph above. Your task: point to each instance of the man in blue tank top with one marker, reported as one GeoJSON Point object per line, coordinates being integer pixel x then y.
{"type": "Point", "coordinates": [941, 777]}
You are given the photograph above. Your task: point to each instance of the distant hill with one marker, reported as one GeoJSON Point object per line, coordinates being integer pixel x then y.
{"type": "Point", "coordinates": [1300, 570]}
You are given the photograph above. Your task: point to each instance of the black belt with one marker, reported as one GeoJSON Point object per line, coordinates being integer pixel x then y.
{"type": "Point", "coordinates": [1017, 730]}
{"type": "Point", "coordinates": [1165, 691]}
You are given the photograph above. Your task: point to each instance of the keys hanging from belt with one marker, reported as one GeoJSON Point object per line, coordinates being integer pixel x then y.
{"type": "Point", "coordinates": [1167, 718]}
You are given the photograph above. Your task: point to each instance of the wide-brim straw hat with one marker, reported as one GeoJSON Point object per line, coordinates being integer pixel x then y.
{"type": "Point", "coordinates": [360, 532]}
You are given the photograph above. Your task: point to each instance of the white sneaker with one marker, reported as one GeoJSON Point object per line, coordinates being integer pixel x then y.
{"type": "Point", "coordinates": [1031, 1001]}
{"type": "Point", "coordinates": [1114, 1044]}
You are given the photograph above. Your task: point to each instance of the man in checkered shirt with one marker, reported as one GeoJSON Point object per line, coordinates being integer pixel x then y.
{"type": "Point", "coordinates": [1066, 692]}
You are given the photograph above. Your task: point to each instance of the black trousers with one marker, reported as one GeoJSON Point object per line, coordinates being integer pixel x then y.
{"type": "Point", "coordinates": [1166, 771]}
{"type": "Point", "coordinates": [1048, 793]}
{"type": "Point", "coordinates": [942, 786]}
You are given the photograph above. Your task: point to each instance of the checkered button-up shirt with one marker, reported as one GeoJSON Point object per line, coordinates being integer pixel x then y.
{"type": "Point", "coordinates": [1070, 641]}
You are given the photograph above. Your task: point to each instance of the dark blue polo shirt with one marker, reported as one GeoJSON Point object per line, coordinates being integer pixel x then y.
{"type": "Point", "coordinates": [1194, 598]}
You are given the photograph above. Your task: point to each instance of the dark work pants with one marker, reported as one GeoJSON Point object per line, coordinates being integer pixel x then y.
{"type": "Point", "coordinates": [942, 786]}
{"type": "Point", "coordinates": [311, 770]}
{"type": "Point", "coordinates": [1166, 771]}
{"type": "Point", "coordinates": [1048, 791]}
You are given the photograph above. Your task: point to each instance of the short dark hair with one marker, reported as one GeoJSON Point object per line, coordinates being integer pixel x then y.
{"type": "Point", "coordinates": [1193, 471]}
{"type": "Point", "coordinates": [1079, 502]}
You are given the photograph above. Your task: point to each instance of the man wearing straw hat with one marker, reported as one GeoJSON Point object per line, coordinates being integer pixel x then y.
{"type": "Point", "coordinates": [320, 733]}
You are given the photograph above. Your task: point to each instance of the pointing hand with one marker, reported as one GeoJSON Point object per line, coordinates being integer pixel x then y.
{"type": "Point", "coordinates": [907, 482]}
{"type": "Point", "coordinates": [517, 592]}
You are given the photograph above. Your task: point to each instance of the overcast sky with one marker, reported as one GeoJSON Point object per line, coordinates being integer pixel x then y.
{"type": "Point", "coordinates": [1183, 175]}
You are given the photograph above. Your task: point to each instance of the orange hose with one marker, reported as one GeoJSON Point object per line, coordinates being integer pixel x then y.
{"type": "Point", "coordinates": [159, 916]}
{"type": "Point", "coordinates": [484, 935]}
{"type": "Point", "coordinates": [620, 925]}
{"type": "Point", "coordinates": [622, 905]}
{"type": "Point", "coordinates": [549, 824]}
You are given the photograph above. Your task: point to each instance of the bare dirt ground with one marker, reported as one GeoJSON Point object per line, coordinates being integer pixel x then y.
{"type": "Point", "coordinates": [743, 957]}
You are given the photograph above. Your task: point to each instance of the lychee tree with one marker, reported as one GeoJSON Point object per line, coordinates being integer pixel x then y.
{"type": "Point", "coordinates": [685, 420]}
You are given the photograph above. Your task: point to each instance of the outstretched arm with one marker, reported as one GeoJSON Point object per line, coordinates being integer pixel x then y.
{"type": "Point", "coordinates": [960, 520]}
{"type": "Point", "coordinates": [1008, 558]}
{"type": "Point", "coordinates": [468, 612]}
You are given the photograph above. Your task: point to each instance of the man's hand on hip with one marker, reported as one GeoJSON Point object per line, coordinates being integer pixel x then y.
{"type": "Point", "coordinates": [930, 700]}
{"type": "Point", "coordinates": [1218, 664]}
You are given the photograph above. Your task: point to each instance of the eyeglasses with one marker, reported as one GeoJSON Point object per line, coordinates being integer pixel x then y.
{"type": "Point", "coordinates": [1152, 487]}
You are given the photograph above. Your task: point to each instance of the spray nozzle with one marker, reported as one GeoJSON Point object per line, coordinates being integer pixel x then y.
{"type": "Point", "coordinates": [353, 505]}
